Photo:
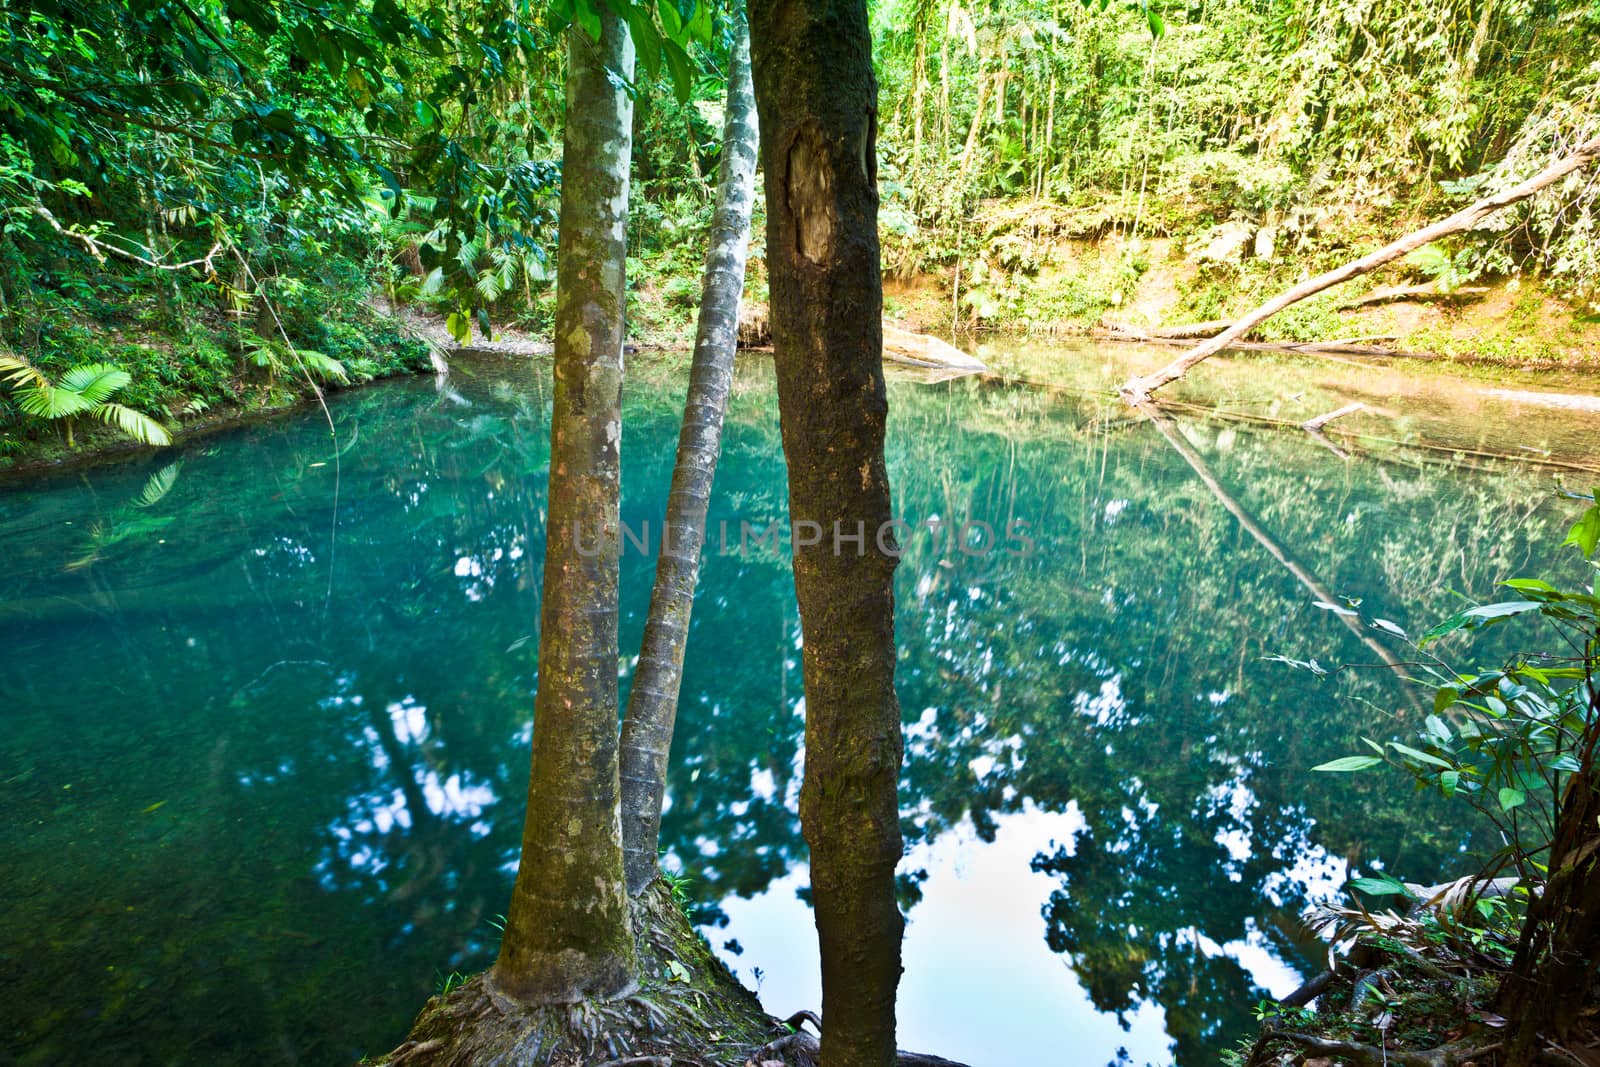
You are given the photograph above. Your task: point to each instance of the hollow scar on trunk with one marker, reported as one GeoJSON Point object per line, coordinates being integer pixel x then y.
{"type": "Point", "coordinates": [809, 192]}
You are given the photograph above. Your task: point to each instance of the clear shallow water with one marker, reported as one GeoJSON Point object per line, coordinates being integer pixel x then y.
{"type": "Point", "coordinates": [263, 738]}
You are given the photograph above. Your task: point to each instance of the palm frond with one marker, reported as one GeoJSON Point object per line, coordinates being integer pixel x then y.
{"type": "Point", "coordinates": [159, 485]}
{"type": "Point", "coordinates": [48, 402]}
{"type": "Point", "coordinates": [322, 366]}
{"type": "Point", "coordinates": [136, 424]}
{"type": "Point", "coordinates": [20, 373]}
{"type": "Point", "coordinates": [95, 382]}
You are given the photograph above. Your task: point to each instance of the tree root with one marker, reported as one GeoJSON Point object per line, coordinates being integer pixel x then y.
{"type": "Point", "coordinates": [1371, 1055]}
{"type": "Point", "coordinates": [800, 1049]}
{"type": "Point", "coordinates": [706, 1020]}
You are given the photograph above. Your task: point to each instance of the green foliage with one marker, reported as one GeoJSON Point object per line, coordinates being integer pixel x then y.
{"type": "Point", "coordinates": [1509, 740]}
{"type": "Point", "coordinates": [1288, 115]}
{"type": "Point", "coordinates": [84, 390]}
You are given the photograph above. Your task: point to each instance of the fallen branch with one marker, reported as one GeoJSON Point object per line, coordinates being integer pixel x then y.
{"type": "Point", "coordinates": [1391, 294]}
{"type": "Point", "coordinates": [1347, 346]}
{"type": "Point", "coordinates": [1186, 331]}
{"type": "Point", "coordinates": [1136, 390]}
{"type": "Point", "coordinates": [1308, 992]}
{"type": "Point", "coordinates": [99, 249]}
{"type": "Point", "coordinates": [1320, 421]}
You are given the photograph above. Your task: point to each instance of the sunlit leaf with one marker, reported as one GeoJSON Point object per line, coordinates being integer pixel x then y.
{"type": "Point", "coordinates": [1349, 763]}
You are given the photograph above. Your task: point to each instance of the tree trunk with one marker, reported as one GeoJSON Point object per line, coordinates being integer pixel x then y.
{"type": "Point", "coordinates": [567, 934]}
{"type": "Point", "coordinates": [969, 151]}
{"type": "Point", "coordinates": [1557, 960]}
{"type": "Point", "coordinates": [1136, 390]}
{"type": "Point", "coordinates": [653, 700]}
{"type": "Point", "coordinates": [816, 94]}
{"type": "Point", "coordinates": [919, 77]}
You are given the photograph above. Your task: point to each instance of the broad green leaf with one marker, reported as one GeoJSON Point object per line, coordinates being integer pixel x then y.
{"type": "Point", "coordinates": [1476, 618]}
{"type": "Point", "coordinates": [1529, 585]}
{"type": "Point", "coordinates": [1419, 755]}
{"type": "Point", "coordinates": [1380, 886]}
{"type": "Point", "coordinates": [1585, 533]}
{"type": "Point", "coordinates": [1349, 763]}
{"type": "Point", "coordinates": [646, 40]}
{"type": "Point", "coordinates": [678, 64]}
{"type": "Point", "coordinates": [1512, 798]}
{"type": "Point", "coordinates": [1438, 730]}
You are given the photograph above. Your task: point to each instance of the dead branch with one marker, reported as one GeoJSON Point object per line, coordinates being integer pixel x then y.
{"type": "Point", "coordinates": [1138, 389]}
{"type": "Point", "coordinates": [1322, 420]}
{"type": "Point", "coordinates": [99, 249]}
{"type": "Point", "coordinates": [1189, 330]}
{"type": "Point", "coordinates": [1392, 294]}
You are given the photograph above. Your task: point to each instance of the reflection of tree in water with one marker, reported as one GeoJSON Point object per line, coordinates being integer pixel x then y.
{"type": "Point", "coordinates": [376, 725]}
{"type": "Point", "coordinates": [1120, 671]}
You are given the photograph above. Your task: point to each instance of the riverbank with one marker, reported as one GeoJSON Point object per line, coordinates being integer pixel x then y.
{"type": "Point", "coordinates": [1040, 269]}
{"type": "Point", "coordinates": [1029, 269]}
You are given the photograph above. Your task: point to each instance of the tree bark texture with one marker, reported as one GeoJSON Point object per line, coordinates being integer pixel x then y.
{"type": "Point", "coordinates": [1139, 389]}
{"type": "Point", "coordinates": [653, 700]}
{"type": "Point", "coordinates": [567, 933]}
{"type": "Point", "coordinates": [817, 99]}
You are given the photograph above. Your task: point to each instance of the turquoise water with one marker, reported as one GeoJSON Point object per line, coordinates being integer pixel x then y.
{"type": "Point", "coordinates": [265, 713]}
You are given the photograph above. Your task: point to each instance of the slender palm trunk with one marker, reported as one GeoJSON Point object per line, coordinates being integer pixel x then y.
{"type": "Point", "coordinates": [653, 700]}
{"type": "Point", "coordinates": [986, 84]}
{"type": "Point", "coordinates": [567, 934]}
{"type": "Point", "coordinates": [817, 98]}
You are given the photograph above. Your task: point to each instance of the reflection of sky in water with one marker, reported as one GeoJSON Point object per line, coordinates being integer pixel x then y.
{"type": "Point", "coordinates": [980, 984]}
{"type": "Point", "coordinates": [283, 802]}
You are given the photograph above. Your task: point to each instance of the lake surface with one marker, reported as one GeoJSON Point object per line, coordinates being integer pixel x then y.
{"type": "Point", "coordinates": [266, 699]}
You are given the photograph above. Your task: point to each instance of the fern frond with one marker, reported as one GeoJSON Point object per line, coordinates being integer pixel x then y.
{"type": "Point", "coordinates": [488, 286]}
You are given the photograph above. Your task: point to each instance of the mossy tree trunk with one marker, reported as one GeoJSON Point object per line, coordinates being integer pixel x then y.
{"type": "Point", "coordinates": [567, 933]}
{"type": "Point", "coordinates": [653, 700]}
{"type": "Point", "coordinates": [818, 105]}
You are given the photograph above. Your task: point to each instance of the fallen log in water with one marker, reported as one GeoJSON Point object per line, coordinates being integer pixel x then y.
{"type": "Point", "coordinates": [921, 350]}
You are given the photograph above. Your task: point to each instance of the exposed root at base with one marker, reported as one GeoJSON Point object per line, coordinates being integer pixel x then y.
{"type": "Point", "coordinates": [706, 1020]}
